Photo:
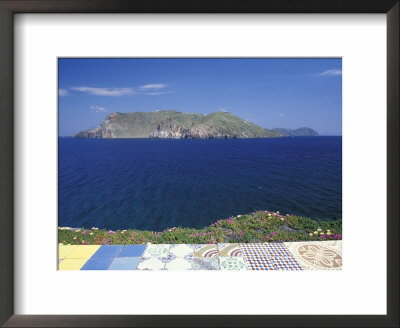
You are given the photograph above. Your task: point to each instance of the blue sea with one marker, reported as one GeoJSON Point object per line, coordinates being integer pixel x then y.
{"type": "Point", "coordinates": [155, 184]}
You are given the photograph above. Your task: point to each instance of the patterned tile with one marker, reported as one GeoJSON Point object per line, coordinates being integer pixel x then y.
{"type": "Point", "coordinates": [151, 263]}
{"type": "Point", "coordinates": [273, 263]}
{"type": "Point", "coordinates": [181, 251]}
{"type": "Point", "coordinates": [71, 264]}
{"type": "Point", "coordinates": [64, 250]}
{"type": "Point", "coordinates": [132, 251]}
{"type": "Point", "coordinates": [97, 264]}
{"type": "Point", "coordinates": [83, 252]}
{"type": "Point", "coordinates": [265, 249]}
{"type": "Point", "coordinates": [107, 252]}
{"type": "Point", "coordinates": [317, 255]}
{"type": "Point", "coordinates": [229, 250]}
{"type": "Point", "coordinates": [232, 263]}
{"type": "Point", "coordinates": [178, 264]}
{"type": "Point", "coordinates": [204, 263]}
{"type": "Point", "coordinates": [157, 250]}
{"type": "Point", "coordinates": [124, 263]}
{"type": "Point", "coordinates": [209, 250]}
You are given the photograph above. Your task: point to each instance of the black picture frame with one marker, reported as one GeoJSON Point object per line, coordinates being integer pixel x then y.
{"type": "Point", "coordinates": [10, 7]}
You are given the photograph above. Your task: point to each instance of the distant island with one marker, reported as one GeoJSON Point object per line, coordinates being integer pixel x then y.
{"type": "Point", "coordinates": [177, 125]}
{"type": "Point", "coordinates": [301, 132]}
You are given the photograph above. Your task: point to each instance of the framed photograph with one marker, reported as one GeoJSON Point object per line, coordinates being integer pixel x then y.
{"type": "Point", "coordinates": [199, 163]}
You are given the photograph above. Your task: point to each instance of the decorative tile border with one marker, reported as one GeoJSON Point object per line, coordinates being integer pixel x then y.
{"type": "Point", "coordinates": [265, 249]}
{"type": "Point", "coordinates": [229, 250]}
{"type": "Point", "coordinates": [319, 255]}
{"type": "Point", "coordinates": [232, 263]}
{"type": "Point", "coordinates": [204, 263]}
{"type": "Point", "coordinates": [273, 263]}
{"type": "Point", "coordinates": [157, 250]}
{"type": "Point", "coordinates": [151, 263]}
{"type": "Point", "coordinates": [181, 251]}
{"type": "Point", "coordinates": [179, 264]}
{"type": "Point", "coordinates": [209, 250]}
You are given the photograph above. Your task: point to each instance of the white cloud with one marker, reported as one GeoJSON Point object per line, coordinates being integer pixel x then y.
{"type": "Point", "coordinates": [97, 109]}
{"type": "Point", "coordinates": [62, 92]}
{"type": "Point", "coordinates": [112, 92]}
{"type": "Point", "coordinates": [331, 72]}
{"type": "Point", "coordinates": [153, 89]}
{"type": "Point", "coordinates": [146, 89]}
{"type": "Point", "coordinates": [155, 93]}
{"type": "Point", "coordinates": [281, 114]}
{"type": "Point", "coordinates": [150, 87]}
{"type": "Point", "coordinates": [223, 110]}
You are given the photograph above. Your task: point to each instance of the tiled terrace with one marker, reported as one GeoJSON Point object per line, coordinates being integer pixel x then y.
{"type": "Point", "coordinates": [315, 255]}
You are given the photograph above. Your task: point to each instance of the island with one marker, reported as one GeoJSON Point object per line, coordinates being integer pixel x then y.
{"type": "Point", "coordinates": [301, 132]}
{"type": "Point", "coordinates": [178, 125]}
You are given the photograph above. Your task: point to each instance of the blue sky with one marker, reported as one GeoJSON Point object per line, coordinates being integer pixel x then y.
{"type": "Point", "coordinates": [284, 93]}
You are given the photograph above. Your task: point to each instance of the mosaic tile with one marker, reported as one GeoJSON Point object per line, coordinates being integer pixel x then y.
{"type": "Point", "coordinates": [265, 249]}
{"type": "Point", "coordinates": [71, 264]}
{"type": "Point", "coordinates": [83, 252]}
{"type": "Point", "coordinates": [125, 263]}
{"type": "Point", "coordinates": [209, 250]}
{"type": "Point", "coordinates": [64, 250]}
{"type": "Point", "coordinates": [273, 263]}
{"type": "Point", "coordinates": [151, 263]}
{"type": "Point", "coordinates": [229, 250]}
{"type": "Point", "coordinates": [132, 251]}
{"type": "Point", "coordinates": [204, 263]}
{"type": "Point", "coordinates": [332, 244]}
{"type": "Point", "coordinates": [178, 264]}
{"type": "Point", "coordinates": [107, 252]}
{"type": "Point", "coordinates": [157, 250]}
{"type": "Point", "coordinates": [97, 264]}
{"type": "Point", "coordinates": [317, 255]}
{"type": "Point", "coordinates": [181, 251]}
{"type": "Point", "coordinates": [232, 263]}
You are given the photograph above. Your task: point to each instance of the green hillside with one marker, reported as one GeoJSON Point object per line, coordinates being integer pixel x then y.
{"type": "Point", "coordinates": [177, 125]}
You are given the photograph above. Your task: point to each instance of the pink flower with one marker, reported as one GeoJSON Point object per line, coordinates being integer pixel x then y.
{"type": "Point", "coordinates": [110, 232]}
{"type": "Point", "coordinates": [84, 243]}
{"type": "Point", "coordinates": [84, 232]}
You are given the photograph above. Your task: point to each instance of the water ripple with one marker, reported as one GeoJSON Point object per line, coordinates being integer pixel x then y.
{"type": "Point", "coordinates": [155, 184]}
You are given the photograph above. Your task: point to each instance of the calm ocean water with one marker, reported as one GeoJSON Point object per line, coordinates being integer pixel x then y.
{"type": "Point", "coordinates": [154, 184]}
